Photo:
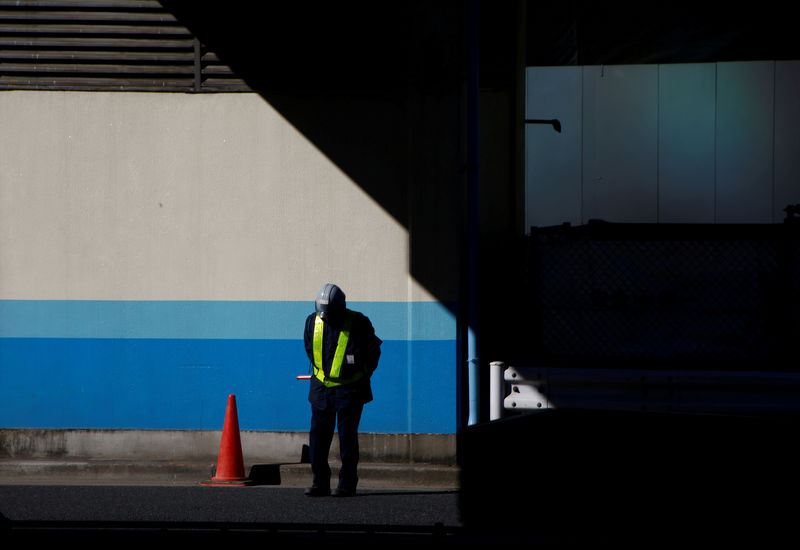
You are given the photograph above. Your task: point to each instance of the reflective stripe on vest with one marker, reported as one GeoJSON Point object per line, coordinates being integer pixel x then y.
{"type": "Point", "coordinates": [336, 365]}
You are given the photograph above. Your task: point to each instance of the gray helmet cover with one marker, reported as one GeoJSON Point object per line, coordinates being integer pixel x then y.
{"type": "Point", "coordinates": [330, 300]}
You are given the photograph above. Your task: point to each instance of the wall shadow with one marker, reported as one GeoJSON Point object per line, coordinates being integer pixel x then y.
{"type": "Point", "coordinates": [382, 92]}
{"type": "Point", "coordinates": [378, 89]}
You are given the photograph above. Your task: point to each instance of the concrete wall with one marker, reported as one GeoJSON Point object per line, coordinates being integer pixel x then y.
{"type": "Point", "coordinates": [204, 445]}
{"type": "Point", "coordinates": [159, 252]}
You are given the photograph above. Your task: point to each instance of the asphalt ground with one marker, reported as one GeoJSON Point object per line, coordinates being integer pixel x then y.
{"type": "Point", "coordinates": [80, 510]}
{"type": "Point", "coordinates": [109, 501]}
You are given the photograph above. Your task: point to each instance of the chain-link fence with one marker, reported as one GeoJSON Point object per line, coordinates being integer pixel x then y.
{"type": "Point", "coordinates": [679, 296]}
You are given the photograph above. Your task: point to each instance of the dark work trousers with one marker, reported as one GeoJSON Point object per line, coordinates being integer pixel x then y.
{"type": "Point", "coordinates": [323, 421]}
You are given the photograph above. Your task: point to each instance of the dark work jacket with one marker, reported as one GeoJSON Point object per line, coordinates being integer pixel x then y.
{"type": "Point", "coordinates": [362, 345]}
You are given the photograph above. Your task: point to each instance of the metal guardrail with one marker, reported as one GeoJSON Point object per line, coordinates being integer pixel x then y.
{"type": "Point", "coordinates": [706, 392]}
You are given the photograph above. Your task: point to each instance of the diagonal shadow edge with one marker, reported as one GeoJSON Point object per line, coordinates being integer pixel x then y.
{"type": "Point", "coordinates": [380, 95]}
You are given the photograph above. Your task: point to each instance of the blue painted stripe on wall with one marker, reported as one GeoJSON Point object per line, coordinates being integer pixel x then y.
{"type": "Point", "coordinates": [172, 364]}
{"type": "Point", "coordinates": [184, 383]}
{"type": "Point", "coordinates": [208, 319]}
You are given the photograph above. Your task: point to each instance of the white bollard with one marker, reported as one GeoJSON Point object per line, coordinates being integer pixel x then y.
{"type": "Point", "coordinates": [496, 389]}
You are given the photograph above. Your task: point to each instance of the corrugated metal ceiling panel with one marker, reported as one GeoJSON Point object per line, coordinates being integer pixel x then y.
{"type": "Point", "coordinates": [104, 45]}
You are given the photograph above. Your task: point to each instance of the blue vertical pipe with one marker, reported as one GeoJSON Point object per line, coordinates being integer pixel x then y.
{"type": "Point", "coordinates": [473, 213]}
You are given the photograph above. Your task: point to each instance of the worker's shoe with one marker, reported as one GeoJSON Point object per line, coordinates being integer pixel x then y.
{"type": "Point", "coordinates": [344, 492]}
{"type": "Point", "coordinates": [317, 492]}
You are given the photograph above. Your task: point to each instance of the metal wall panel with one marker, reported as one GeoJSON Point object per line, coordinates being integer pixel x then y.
{"type": "Point", "coordinates": [620, 143]}
{"type": "Point", "coordinates": [553, 177]}
{"type": "Point", "coordinates": [745, 111]}
{"type": "Point", "coordinates": [686, 143]}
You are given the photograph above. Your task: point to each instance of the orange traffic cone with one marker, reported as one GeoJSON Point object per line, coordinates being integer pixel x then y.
{"type": "Point", "coordinates": [230, 467]}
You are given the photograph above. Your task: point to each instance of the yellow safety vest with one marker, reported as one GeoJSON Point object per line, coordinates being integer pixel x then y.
{"type": "Point", "coordinates": [333, 378]}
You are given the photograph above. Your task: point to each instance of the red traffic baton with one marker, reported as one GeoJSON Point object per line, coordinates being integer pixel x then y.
{"type": "Point", "coordinates": [304, 377]}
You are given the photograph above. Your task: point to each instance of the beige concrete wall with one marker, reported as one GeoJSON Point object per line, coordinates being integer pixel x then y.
{"type": "Point", "coordinates": [146, 196]}
{"type": "Point", "coordinates": [204, 445]}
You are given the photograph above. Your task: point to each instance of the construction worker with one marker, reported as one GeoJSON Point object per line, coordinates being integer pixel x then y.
{"type": "Point", "coordinates": [344, 352]}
